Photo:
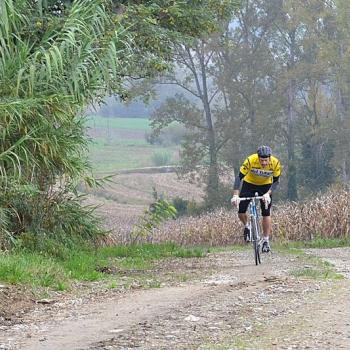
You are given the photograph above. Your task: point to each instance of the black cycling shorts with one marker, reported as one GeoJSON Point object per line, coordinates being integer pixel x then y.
{"type": "Point", "coordinates": [249, 190]}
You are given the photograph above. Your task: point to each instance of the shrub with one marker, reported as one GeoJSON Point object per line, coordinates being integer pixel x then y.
{"type": "Point", "coordinates": [161, 158]}
{"type": "Point", "coordinates": [171, 135]}
{"type": "Point", "coordinates": [158, 212]}
{"type": "Point", "coordinates": [187, 207]}
{"type": "Point", "coordinates": [28, 216]}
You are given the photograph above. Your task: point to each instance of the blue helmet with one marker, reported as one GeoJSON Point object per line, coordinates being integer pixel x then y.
{"type": "Point", "coordinates": [264, 151]}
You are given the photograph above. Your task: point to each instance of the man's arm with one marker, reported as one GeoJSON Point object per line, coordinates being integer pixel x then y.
{"type": "Point", "coordinates": [275, 183]}
{"type": "Point", "coordinates": [237, 183]}
{"type": "Point", "coordinates": [243, 171]}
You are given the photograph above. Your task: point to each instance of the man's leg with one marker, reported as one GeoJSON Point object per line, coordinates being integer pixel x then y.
{"type": "Point", "coordinates": [246, 191]}
{"type": "Point", "coordinates": [243, 217]}
{"type": "Point", "coordinates": [266, 224]}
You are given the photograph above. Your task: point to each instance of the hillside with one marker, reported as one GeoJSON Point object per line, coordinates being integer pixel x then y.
{"type": "Point", "coordinates": [123, 200]}
{"type": "Point", "coordinates": [118, 144]}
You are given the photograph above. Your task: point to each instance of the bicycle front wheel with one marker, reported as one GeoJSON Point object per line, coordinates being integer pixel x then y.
{"type": "Point", "coordinates": [256, 240]}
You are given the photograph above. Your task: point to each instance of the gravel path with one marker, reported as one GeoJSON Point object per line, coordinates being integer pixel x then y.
{"type": "Point", "coordinates": [229, 303]}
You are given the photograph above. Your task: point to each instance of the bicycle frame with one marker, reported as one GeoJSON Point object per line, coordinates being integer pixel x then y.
{"type": "Point", "coordinates": [254, 226]}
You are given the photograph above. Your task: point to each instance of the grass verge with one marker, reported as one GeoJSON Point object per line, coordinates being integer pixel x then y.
{"type": "Point", "coordinates": [319, 242]}
{"type": "Point", "coordinates": [38, 269]}
{"type": "Point", "coordinates": [314, 267]}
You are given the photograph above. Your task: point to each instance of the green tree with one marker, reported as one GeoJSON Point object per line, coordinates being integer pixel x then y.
{"type": "Point", "coordinates": [202, 143]}
{"type": "Point", "coordinates": [335, 52]}
{"type": "Point", "coordinates": [314, 130]}
{"type": "Point", "coordinates": [56, 58]}
{"type": "Point", "coordinates": [245, 73]}
{"type": "Point", "coordinates": [295, 45]}
{"type": "Point", "coordinates": [50, 69]}
{"type": "Point", "coordinates": [273, 83]}
{"type": "Point", "coordinates": [204, 140]}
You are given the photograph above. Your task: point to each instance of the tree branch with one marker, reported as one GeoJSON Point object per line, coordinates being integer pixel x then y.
{"type": "Point", "coordinates": [213, 96]}
{"type": "Point", "coordinates": [181, 85]}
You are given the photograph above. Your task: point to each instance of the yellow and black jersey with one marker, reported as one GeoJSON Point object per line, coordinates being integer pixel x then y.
{"type": "Point", "coordinates": [255, 174]}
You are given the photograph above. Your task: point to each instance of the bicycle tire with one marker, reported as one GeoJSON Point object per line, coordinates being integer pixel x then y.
{"type": "Point", "coordinates": [255, 239]}
{"type": "Point", "coordinates": [257, 253]}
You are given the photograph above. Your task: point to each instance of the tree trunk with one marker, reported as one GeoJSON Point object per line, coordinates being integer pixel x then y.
{"type": "Point", "coordinates": [213, 176]}
{"type": "Point", "coordinates": [213, 196]}
{"type": "Point", "coordinates": [292, 193]}
{"type": "Point", "coordinates": [341, 110]}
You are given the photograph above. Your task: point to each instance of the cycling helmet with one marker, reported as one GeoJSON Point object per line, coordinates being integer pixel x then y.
{"type": "Point", "coordinates": [264, 151]}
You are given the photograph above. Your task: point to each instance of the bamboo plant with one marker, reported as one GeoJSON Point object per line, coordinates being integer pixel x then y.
{"type": "Point", "coordinates": [51, 68]}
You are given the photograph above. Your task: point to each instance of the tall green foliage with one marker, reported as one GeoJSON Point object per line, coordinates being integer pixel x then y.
{"type": "Point", "coordinates": [51, 67]}
{"type": "Point", "coordinates": [56, 58]}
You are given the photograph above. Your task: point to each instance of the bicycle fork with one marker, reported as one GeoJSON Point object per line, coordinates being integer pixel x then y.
{"type": "Point", "coordinates": [254, 227]}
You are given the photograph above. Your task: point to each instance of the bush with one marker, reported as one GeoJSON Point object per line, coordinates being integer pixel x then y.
{"type": "Point", "coordinates": [171, 135]}
{"type": "Point", "coordinates": [188, 207]}
{"type": "Point", "coordinates": [181, 205]}
{"type": "Point", "coordinates": [161, 158]}
{"type": "Point", "coordinates": [158, 212]}
{"type": "Point", "coordinates": [36, 217]}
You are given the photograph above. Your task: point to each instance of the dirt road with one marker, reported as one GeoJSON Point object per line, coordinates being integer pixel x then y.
{"type": "Point", "coordinates": [225, 303]}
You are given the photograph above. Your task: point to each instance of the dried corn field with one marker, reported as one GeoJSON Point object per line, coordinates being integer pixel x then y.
{"type": "Point", "coordinates": [123, 201]}
{"type": "Point", "coordinates": [327, 216]}
{"type": "Point", "coordinates": [324, 216]}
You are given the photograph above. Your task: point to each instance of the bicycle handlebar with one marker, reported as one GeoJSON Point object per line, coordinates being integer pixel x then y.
{"type": "Point", "coordinates": [250, 198]}
{"type": "Point", "coordinates": [255, 197]}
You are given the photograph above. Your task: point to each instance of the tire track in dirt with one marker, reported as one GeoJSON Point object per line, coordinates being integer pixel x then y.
{"type": "Point", "coordinates": [323, 323]}
{"type": "Point", "coordinates": [95, 321]}
{"type": "Point", "coordinates": [231, 305]}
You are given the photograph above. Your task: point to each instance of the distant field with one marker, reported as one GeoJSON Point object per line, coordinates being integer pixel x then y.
{"type": "Point", "coordinates": [120, 143]}
{"type": "Point", "coordinates": [119, 123]}
{"type": "Point", "coordinates": [107, 159]}
{"type": "Point", "coordinates": [121, 202]}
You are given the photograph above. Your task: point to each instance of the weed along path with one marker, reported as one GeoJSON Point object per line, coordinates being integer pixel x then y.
{"type": "Point", "coordinates": [221, 301]}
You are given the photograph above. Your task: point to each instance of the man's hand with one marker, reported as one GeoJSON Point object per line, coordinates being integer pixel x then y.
{"type": "Point", "coordinates": [267, 199]}
{"type": "Point", "coordinates": [235, 200]}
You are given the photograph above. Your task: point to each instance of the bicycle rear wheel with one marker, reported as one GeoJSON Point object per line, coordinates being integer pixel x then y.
{"type": "Point", "coordinates": [256, 241]}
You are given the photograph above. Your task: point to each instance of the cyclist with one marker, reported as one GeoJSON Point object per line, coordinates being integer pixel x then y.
{"type": "Point", "coordinates": [259, 173]}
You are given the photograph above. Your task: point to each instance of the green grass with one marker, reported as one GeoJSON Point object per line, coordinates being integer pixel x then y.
{"type": "Point", "coordinates": [111, 158]}
{"type": "Point", "coordinates": [231, 248]}
{"type": "Point", "coordinates": [320, 243]}
{"type": "Point", "coordinates": [32, 269]}
{"type": "Point", "coordinates": [141, 256]}
{"type": "Point", "coordinates": [317, 273]}
{"type": "Point", "coordinates": [123, 149]}
{"type": "Point", "coordinates": [83, 264]}
{"type": "Point", "coordinates": [120, 143]}
{"type": "Point", "coordinates": [100, 143]}
{"type": "Point", "coordinates": [316, 268]}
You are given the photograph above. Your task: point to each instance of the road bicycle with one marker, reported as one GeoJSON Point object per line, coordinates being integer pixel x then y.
{"type": "Point", "coordinates": [255, 229]}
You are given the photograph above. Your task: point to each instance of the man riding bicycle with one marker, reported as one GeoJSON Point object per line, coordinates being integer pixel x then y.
{"type": "Point", "coordinates": [260, 174]}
